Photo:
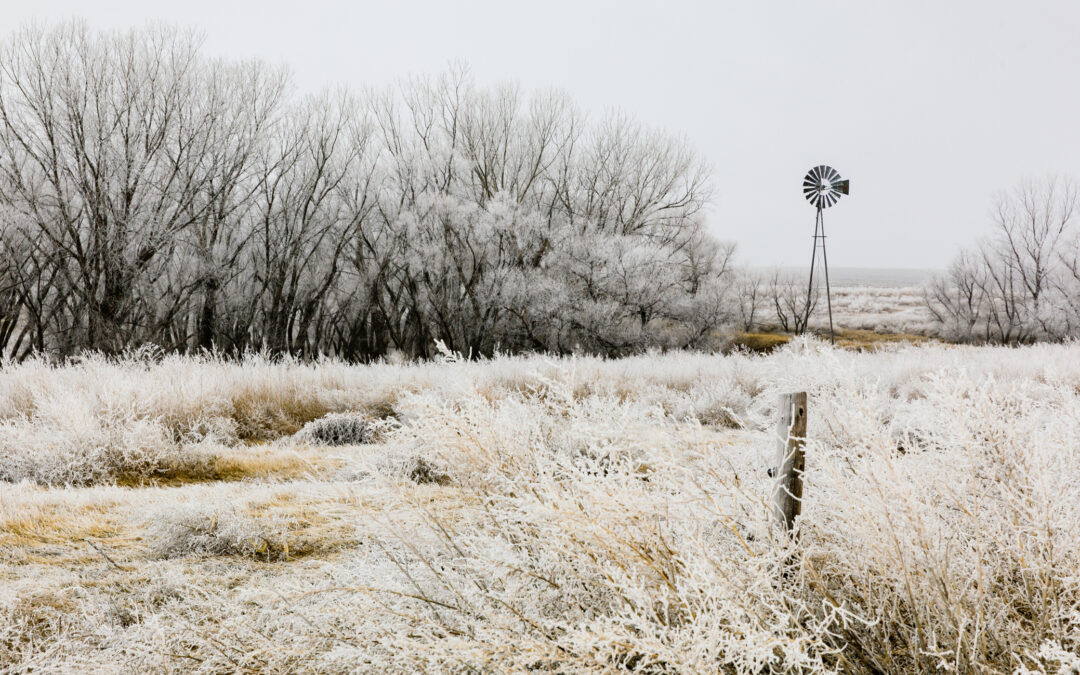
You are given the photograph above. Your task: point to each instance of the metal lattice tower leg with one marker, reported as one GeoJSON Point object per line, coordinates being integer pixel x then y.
{"type": "Point", "coordinates": [819, 240]}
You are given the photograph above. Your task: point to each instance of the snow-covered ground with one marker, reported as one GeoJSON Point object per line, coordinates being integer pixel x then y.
{"type": "Point", "coordinates": [541, 514]}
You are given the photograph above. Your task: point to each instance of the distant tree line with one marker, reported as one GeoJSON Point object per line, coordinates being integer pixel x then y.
{"type": "Point", "coordinates": [1022, 283]}
{"type": "Point", "coordinates": [152, 195]}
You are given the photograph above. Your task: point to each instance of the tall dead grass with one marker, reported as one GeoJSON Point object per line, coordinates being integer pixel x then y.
{"type": "Point", "coordinates": [592, 516]}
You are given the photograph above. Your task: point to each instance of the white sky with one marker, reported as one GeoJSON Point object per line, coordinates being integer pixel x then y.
{"type": "Point", "coordinates": [928, 107]}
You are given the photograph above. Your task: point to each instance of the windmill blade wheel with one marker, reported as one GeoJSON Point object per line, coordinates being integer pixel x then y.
{"type": "Point", "coordinates": [823, 186]}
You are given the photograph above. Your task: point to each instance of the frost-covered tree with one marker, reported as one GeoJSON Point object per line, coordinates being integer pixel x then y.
{"type": "Point", "coordinates": [96, 151]}
{"type": "Point", "coordinates": [158, 196]}
{"type": "Point", "coordinates": [1019, 284]}
{"type": "Point", "coordinates": [793, 301]}
{"type": "Point", "coordinates": [750, 297]}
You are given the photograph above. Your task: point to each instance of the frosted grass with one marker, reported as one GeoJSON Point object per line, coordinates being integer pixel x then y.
{"type": "Point", "coordinates": [588, 515]}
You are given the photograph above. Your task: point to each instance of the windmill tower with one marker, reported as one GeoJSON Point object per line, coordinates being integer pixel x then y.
{"type": "Point", "coordinates": [822, 187]}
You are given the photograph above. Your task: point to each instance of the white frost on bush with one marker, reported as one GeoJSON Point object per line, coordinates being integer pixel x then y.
{"type": "Point", "coordinates": [340, 429]}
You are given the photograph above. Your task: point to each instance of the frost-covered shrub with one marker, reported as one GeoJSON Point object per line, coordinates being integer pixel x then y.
{"type": "Point", "coordinates": [340, 429]}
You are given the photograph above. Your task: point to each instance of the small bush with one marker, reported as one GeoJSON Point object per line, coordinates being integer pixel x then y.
{"type": "Point", "coordinates": [339, 429]}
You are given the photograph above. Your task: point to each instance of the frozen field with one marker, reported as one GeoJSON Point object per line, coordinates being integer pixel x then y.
{"type": "Point", "coordinates": [884, 309]}
{"type": "Point", "coordinates": [543, 515]}
{"type": "Point", "coordinates": [878, 299]}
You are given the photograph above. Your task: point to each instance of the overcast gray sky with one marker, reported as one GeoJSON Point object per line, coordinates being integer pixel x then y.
{"type": "Point", "coordinates": [928, 108]}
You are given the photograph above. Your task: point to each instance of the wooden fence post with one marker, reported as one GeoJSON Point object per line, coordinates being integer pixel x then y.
{"type": "Point", "coordinates": [791, 460]}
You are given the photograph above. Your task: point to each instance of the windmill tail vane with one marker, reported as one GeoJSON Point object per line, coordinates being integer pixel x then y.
{"type": "Point", "coordinates": [822, 187]}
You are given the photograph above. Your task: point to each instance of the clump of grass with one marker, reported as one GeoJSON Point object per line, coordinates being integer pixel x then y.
{"type": "Point", "coordinates": [218, 530]}
{"type": "Point", "coordinates": [720, 416]}
{"type": "Point", "coordinates": [32, 620]}
{"type": "Point", "coordinates": [268, 414]}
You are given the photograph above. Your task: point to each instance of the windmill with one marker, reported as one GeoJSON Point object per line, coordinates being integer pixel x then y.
{"type": "Point", "coordinates": [822, 187]}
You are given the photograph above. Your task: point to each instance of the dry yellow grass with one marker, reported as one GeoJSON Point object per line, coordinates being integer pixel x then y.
{"type": "Point", "coordinates": [52, 523]}
{"type": "Point", "coordinates": [247, 462]}
{"type": "Point", "coordinates": [54, 533]}
{"type": "Point", "coordinates": [761, 343]}
{"type": "Point", "coordinates": [859, 340]}
{"type": "Point", "coordinates": [316, 527]}
{"type": "Point", "coordinates": [110, 525]}
{"type": "Point", "coordinates": [868, 339]}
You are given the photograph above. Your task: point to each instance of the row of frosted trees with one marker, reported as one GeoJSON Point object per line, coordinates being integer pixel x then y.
{"type": "Point", "coordinates": [1022, 283]}
{"type": "Point", "coordinates": [151, 195]}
